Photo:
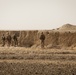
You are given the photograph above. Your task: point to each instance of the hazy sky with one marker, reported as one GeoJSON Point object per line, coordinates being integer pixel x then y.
{"type": "Point", "coordinates": [36, 14]}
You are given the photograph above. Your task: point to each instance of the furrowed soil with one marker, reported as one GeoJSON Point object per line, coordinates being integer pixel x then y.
{"type": "Point", "coordinates": [27, 61]}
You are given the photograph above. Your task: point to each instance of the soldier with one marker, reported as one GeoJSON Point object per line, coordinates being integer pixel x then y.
{"type": "Point", "coordinates": [15, 40]}
{"type": "Point", "coordinates": [3, 40]}
{"type": "Point", "coordinates": [9, 39]}
{"type": "Point", "coordinates": [42, 38]}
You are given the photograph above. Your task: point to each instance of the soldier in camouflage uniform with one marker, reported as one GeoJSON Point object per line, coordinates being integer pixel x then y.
{"type": "Point", "coordinates": [15, 40]}
{"type": "Point", "coordinates": [9, 39]}
{"type": "Point", "coordinates": [42, 38]}
{"type": "Point", "coordinates": [3, 40]}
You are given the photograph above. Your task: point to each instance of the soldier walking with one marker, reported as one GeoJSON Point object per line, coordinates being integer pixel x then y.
{"type": "Point", "coordinates": [42, 38]}
{"type": "Point", "coordinates": [3, 40]}
{"type": "Point", "coordinates": [9, 39]}
{"type": "Point", "coordinates": [15, 40]}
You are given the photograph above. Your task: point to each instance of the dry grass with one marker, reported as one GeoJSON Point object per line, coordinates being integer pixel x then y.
{"type": "Point", "coordinates": [27, 61]}
{"type": "Point", "coordinates": [37, 67]}
{"type": "Point", "coordinates": [28, 53]}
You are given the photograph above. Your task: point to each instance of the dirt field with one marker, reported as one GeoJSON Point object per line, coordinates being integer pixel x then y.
{"type": "Point", "coordinates": [27, 61]}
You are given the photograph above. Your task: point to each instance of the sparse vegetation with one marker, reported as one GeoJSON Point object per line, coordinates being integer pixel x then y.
{"type": "Point", "coordinates": [57, 58]}
{"type": "Point", "coordinates": [27, 61]}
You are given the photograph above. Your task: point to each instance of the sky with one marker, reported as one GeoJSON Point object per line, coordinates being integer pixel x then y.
{"type": "Point", "coordinates": [36, 14]}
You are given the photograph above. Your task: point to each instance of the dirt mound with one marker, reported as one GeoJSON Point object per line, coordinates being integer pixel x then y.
{"type": "Point", "coordinates": [68, 27]}
{"type": "Point", "coordinates": [54, 39]}
{"type": "Point", "coordinates": [59, 40]}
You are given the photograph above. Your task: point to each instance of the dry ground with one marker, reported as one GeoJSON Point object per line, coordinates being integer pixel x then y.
{"type": "Point", "coordinates": [27, 61]}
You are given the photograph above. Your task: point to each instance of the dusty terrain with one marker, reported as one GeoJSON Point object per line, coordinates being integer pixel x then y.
{"type": "Point", "coordinates": [58, 57]}
{"type": "Point", "coordinates": [27, 61]}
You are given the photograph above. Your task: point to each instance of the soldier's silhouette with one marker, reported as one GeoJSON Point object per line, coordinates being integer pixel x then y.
{"type": "Point", "coordinates": [42, 38]}
{"type": "Point", "coordinates": [9, 39]}
{"type": "Point", "coordinates": [3, 40]}
{"type": "Point", "coordinates": [15, 40]}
